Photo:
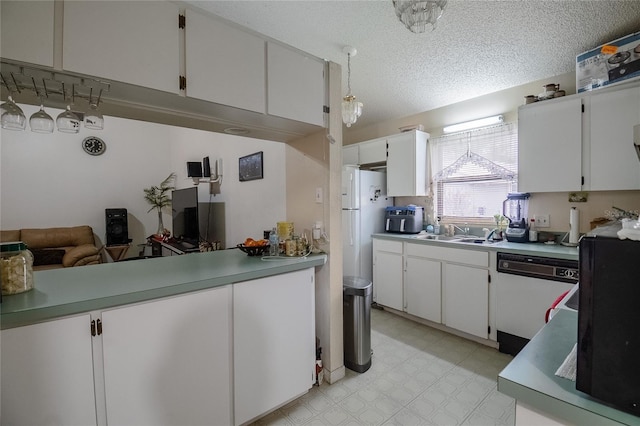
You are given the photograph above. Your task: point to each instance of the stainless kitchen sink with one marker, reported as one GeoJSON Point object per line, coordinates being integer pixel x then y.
{"type": "Point", "coordinates": [471, 240]}
{"type": "Point", "coordinates": [436, 237]}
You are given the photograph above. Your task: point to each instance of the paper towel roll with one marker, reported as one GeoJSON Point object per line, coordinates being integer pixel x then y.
{"type": "Point", "coordinates": [574, 225]}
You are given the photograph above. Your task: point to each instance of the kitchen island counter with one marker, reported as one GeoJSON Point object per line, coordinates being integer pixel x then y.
{"type": "Point", "coordinates": [61, 292]}
{"type": "Point", "coordinates": [530, 378]}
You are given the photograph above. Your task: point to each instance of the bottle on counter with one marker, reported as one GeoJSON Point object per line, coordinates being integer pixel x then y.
{"type": "Point", "coordinates": [274, 243]}
{"type": "Point", "coordinates": [533, 233]}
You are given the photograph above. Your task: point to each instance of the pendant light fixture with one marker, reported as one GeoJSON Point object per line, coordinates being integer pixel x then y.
{"type": "Point", "coordinates": [418, 15]}
{"type": "Point", "coordinates": [351, 109]}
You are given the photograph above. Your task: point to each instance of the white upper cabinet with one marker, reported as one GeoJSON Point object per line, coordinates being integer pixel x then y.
{"type": "Point", "coordinates": [614, 164]}
{"type": "Point", "coordinates": [407, 164]}
{"type": "Point", "coordinates": [374, 151]}
{"type": "Point", "coordinates": [351, 154]}
{"type": "Point", "coordinates": [224, 64]}
{"type": "Point", "coordinates": [27, 31]}
{"type": "Point", "coordinates": [295, 85]}
{"type": "Point", "coordinates": [582, 142]}
{"type": "Point", "coordinates": [135, 42]}
{"type": "Point", "coordinates": [550, 146]}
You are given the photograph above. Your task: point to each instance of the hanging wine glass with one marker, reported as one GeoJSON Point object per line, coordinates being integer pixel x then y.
{"type": "Point", "coordinates": [12, 116]}
{"type": "Point", "coordinates": [93, 119]}
{"type": "Point", "coordinates": [40, 121]}
{"type": "Point", "coordinates": [68, 121]}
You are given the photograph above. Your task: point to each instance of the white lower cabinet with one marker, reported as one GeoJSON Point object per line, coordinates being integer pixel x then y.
{"type": "Point", "coordinates": [423, 290]}
{"type": "Point", "coordinates": [169, 361]}
{"type": "Point", "coordinates": [273, 340]}
{"type": "Point", "coordinates": [175, 360]}
{"type": "Point", "coordinates": [466, 299]}
{"type": "Point", "coordinates": [445, 285]}
{"type": "Point", "coordinates": [387, 273]}
{"type": "Point", "coordinates": [47, 374]}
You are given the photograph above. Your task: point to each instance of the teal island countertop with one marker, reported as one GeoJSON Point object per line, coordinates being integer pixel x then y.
{"type": "Point", "coordinates": [69, 291]}
{"type": "Point", "coordinates": [530, 378]}
{"type": "Point", "coordinates": [557, 251]}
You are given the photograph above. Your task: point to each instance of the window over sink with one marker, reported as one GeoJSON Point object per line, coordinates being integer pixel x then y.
{"type": "Point", "coordinates": [473, 172]}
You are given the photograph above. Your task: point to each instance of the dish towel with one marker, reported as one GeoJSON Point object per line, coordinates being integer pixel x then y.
{"type": "Point", "coordinates": [568, 368]}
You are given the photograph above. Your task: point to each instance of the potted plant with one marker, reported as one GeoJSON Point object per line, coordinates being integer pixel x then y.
{"type": "Point", "coordinates": [158, 197]}
{"type": "Point", "coordinates": [501, 225]}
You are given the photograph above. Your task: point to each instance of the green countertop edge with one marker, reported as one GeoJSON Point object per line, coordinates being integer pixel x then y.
{"type": "Point", "coordinates": [556, 251]}
{"type": "Point", "coordinates": [62, 292]}
{"type": "Point", "coordinates": [530, 378]}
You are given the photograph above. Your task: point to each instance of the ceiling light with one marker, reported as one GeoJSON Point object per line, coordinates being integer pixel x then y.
{"type": "Point", "coordinates": [351, 109]}
{"type": "Point", "coordinates": [417, 15]}
{"type": "Point", "coordinates": [467, 125]}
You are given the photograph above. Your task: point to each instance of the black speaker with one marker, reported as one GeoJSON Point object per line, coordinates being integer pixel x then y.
{"type": "Point", "coordinates": [117, 229]}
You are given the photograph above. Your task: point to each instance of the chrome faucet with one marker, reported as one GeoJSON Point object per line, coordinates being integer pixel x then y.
{"type": "Point", "coordinates": [464, 230]}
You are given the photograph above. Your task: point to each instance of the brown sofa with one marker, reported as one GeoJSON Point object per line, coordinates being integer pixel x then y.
{"type": "Point", "coordinates": [57, 247]}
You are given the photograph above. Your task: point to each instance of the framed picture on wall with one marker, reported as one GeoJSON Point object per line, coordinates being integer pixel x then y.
{"type": "Point", "coordinates": [250, 167]}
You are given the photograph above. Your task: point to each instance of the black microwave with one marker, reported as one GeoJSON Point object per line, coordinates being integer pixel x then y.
{"type": "Point", "coordinates": [608, 350]}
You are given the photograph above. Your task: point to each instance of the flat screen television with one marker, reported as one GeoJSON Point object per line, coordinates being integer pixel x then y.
{"type": "Point", "coordinates": [184, 209]}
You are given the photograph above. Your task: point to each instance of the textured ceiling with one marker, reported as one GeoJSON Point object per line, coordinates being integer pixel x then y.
{"type": "Point", "coordinates": [478, 47]}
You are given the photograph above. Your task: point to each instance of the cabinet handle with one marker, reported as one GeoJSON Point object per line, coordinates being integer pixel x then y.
{"type": "Point", "coordinates": [99, 327]}
{"type": "Point", "coordinates": [93, 328]}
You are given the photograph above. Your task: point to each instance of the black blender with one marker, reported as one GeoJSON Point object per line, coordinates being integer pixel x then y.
{"type": "Point", "coordinates": [515, 208]}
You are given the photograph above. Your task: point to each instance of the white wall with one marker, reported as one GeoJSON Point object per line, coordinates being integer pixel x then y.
{"type": "Point", "coordinates": [47, 180]}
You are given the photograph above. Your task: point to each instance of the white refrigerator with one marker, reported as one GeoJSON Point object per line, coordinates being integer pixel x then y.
{"type": "Point", "coordinates": [364, 200]}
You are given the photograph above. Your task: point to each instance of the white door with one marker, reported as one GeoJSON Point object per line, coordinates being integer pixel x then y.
{"type": "Point", "coordinates": [351, 248]}
{"type": "Point", "coordinates": [134, 42]}
{"type": "Point", "coordinates": [614, 163]}
{"type": "Point", "coordinates": [169, 361]}
{"type": "Point", "coordinates": [423, 292]}
{"type": "Point", "coordinates": [550, 146]}
{"type": "Point", "coordinates": [387, 273]}
{"type": "Point", "coordinates": [225, 64]}
{"type": "Point", "coordinates": [47, 373]}
{"type": "Point", "coordinates": [466, 299]}
{"type": "Point", "coordinates": [27, 31]}
{"type": "Point", "coordinates": [295, 85]}
{"type": "Point", "coordinates": [274, 342]}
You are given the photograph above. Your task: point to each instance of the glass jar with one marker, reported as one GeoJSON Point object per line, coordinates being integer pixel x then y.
{"type": "Point", "coordinates": [16, 268]}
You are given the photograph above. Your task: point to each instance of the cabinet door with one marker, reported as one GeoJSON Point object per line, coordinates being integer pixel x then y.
{"type": "Point", "coordinates": [351, 154]}
{"type": "Point", "coordinates": [550, 146]}
{"type": "Point", "coordinates": [169, 361]}
{"type": "Point", "coordinates": [295, 85]}
{"type": "Point", "coordinates": [387, 273]}
{"type": "Point", "coordinates": [274, 342]}
{"type": "Point", "coordinates": [224, 64]}
{"type": "Point", "coordinates": [406, 164]}
{"type": "Point", "coordinates": [466, 299]}
{"type": "Point", "coordinates": [27, 31]}
{"type": "Point", "coordinates": [373, 151]}
{"type": "Point", "coordinates": [134, 42]}
{"type": "Point", "coordinates": [47, 373]}
{"type": "Point", "coordinates": [422, 285]}
{"type": "Point", "coordinates": [614, 164]}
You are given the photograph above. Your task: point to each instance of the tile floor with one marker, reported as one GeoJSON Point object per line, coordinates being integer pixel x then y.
{"type": "Point", "coordinates": [419, 376]}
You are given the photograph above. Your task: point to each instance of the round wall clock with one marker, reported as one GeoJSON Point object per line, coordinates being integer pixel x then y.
{"type": "Point", "coordinates": [93, 145]}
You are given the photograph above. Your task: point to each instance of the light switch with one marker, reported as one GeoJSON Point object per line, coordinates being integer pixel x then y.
{"type": "Point", "coordinates": [319, 195]}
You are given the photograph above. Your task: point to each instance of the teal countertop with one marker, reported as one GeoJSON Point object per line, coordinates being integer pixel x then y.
{"type": "Point", "coordinates": [68, 291]}
{"type": "Point", "coordinates": [530, 378]}
{"type": "Point", "coordinates": [557, 251]}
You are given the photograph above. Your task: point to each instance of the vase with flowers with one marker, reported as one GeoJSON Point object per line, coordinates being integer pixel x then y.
{"type": "Point", "coordinates": [158, 197]}
{"type": "Point", "coordinates": [501, 225]}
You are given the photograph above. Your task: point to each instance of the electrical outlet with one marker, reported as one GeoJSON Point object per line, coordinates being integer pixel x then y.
{"type": "Point", "coordinates": [542, 220]}
{"type": "Point", "coordinates": [319, 195]}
